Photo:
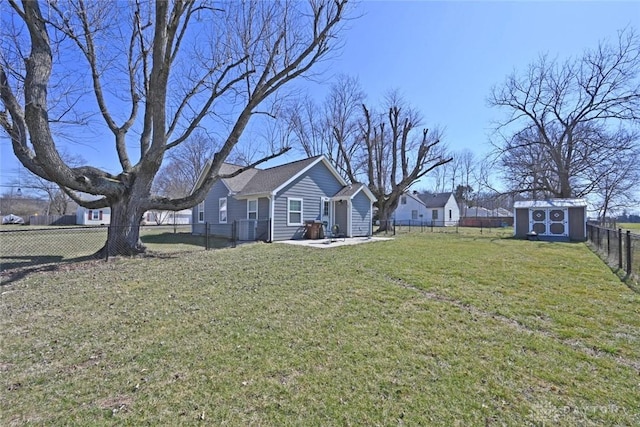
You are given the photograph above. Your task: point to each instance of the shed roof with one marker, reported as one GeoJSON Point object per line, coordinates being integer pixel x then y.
{"type": "Point", "coordinates": [550, 203]}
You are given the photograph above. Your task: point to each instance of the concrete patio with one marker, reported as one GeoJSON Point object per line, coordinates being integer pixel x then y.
{"type": "Point", "coordinates": [334, 243]}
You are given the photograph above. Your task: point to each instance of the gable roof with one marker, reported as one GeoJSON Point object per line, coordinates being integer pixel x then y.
{"type": "Point", "coordinates": [238, 182]}
{"type": "Point", "coordinates": [273, 179]}
{"type": "Point", "coordinates": [254, 182]}
{"type": "Point", "coordinates": [350, 191]}
{"type": "Point", "coordinates": [437, 200]}
{"type": "Point", "coordinates": [415, 196]}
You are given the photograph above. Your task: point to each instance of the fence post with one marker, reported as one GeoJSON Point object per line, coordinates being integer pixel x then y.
{"type": "Point", "coordinates": [620, 248]}
{"type": "Point", "coordinates": [394, 227]}
{"type": "Point", "coordinates": [608, 243]}
{"type": "Point", "coordinates": [628, 242]}
{"type": "Point", "coordinates": [206, 236]}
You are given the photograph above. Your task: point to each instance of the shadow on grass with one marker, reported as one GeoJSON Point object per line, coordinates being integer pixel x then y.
{"type": "Point", "coordinates": [197, 241]}
{"type": "Point", "coordinates": [20, 267]}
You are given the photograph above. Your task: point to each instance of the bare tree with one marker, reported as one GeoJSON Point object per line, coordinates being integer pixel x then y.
{"type": "Point", "coordinates": [617, 184]}
{"type": "Point", "coordinates": [159, 70]}
{"type": "Point", "coordinates": [392, 157]}
{"type": "Point", "coordinates": [376, 148]}
{"type": "Point", "coordinates": [562, 115]}
{"type": "Point", "coordinates": [183, 165]}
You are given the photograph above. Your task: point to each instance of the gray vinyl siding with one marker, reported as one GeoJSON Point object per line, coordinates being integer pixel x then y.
{"type": "Point", "coordinates": [316, 183]}
{"type": "Point", "coordinates": [211, 216]}
{"type": "Point", "coordinates": [361, 215]}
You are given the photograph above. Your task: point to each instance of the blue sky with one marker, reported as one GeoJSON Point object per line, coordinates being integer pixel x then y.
{"type": "Point", "coordinates": [444, 57]}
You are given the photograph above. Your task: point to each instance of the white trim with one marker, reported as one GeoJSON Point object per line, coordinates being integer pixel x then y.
{"type": "Point", "coordinates": [226, 210]}
{"type": "Point", "coordinates": [289, 212]}
{"type": "Point", "coordinates": [249, 211]}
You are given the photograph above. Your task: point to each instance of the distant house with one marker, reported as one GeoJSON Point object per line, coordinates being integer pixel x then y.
{"type": "Point", "coordinates": [410, 210]}
{"type": "Point", "coordinates": [282, 202]}
{"type": "Point", "coordinates": [158, 217]}
{"type": "Point", "coordinates": [102, 216]}
{"type": "Point", "coordinates": [442, 209]}
{"type": "Point", "coordinates": [86, 216]}
{"type": "Point", "coordinates": [553, 219]}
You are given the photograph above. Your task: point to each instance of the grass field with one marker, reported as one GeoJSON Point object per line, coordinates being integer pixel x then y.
{"type": "Point", "coordinates": [428, 329]}
{"type": "Point", "coordinates": [633, 226]}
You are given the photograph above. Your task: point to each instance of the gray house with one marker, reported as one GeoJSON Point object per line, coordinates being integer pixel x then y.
{"type": "Point", "coordinates": [279, 203]}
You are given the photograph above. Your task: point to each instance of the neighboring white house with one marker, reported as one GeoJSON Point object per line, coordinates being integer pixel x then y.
{"type": "Point", "coordinates": [167, 217]}
{"type": "Point", "coordinates": [442, 209]}
{"type": "Point", "coordinates": [410, 209]}
{"type": "Point", "coordinates": [102, 216]}
{"type": "Point", "coordinates": [86, 216]}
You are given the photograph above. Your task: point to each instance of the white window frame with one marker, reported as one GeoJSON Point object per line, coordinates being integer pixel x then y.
{"type": "Point", "coordinates": [403, 200]}
{"type": "Point", "coordinates": [222, 201]}
{"type": "Point", "coordinates": [201, 212]}
{"type": "Point", "coordinates": [289, 211]}
{"type": "Point", "coordinates": [414, 214]}
{"type": "Point", "coordinates": [95, 215]}
{"type": "Point", "coordinates": [249, 211]}
{"type": "Point", "coordinates": [434, 214]}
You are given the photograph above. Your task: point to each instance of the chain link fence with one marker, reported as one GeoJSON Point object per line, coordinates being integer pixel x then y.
{"type": "Point", "coordinates": [29, 246]}
{"type": "Point", "coordinates": [414, 226]}
{"type": "Point", "coordinates": [620, 249]}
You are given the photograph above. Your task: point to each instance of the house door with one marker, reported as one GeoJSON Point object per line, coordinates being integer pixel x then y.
{"type": "Point", "coordinates": [549, 222]}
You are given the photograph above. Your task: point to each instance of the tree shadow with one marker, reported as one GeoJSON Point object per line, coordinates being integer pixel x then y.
{"type": "Point", "coordinates": [19, 267]}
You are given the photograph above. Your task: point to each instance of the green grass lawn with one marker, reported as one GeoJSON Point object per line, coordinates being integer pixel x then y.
{"type": "Point", "coordinates": [428, 329]}
{"type": "Point", "coordinates": [633, 226]}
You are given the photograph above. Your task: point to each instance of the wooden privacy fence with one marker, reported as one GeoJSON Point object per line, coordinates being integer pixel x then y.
{"type": "Point", "coordinates": [621, 249]}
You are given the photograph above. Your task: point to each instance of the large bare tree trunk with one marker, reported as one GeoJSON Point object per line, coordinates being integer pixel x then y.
{"type": "Point", "coordinates": [124, 232]}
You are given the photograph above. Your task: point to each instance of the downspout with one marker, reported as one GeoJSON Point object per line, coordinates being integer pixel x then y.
{"type": "Point", "coordinates": [349, 218]}
{"type": "Point", "coordinates": [271, 212]}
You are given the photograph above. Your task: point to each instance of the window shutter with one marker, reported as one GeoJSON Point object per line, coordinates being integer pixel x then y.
{"type": "Point", "coordinates": [100, 215]}
{"type": "Point", "coordinates": [89, 214]}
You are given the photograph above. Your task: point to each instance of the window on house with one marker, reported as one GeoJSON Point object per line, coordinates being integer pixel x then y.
{"type": "Point", "coordinates": [222, 210]}
{"type": "Point", "coordinates": [414, 214]}
{"type": "Point", "coordinates": [201, 212]}
{"type": "Point", "coordinates": [450, 214]}
{"type": "Point", "coordinates": [294, 211]}
{"type": "Point", "coordinates": [434, 214]}
{"type": "Point", "coordinates": [252, 209]}
{"type": "Point", "coordinates": [326, 204]}
{"type": "Point", "coordinates": [95, 215]}
{"type": "Point", "coordinates": [403, 200]}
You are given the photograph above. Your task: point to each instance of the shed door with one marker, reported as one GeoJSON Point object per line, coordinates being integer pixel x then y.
{"type": "Point", "coordinates": [549, 222]}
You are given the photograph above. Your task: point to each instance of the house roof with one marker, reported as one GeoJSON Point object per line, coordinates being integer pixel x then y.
{"type": "Point", "coordinates": [238, 182]}
{"type": "Point", "coordinates": [271, 179]}
{"type": "Point", "coordinates": [349, 191]}
{"type": "Point", "coordinates": [254, 182]}
{"type": "Point", "coordinates": [437, 200]}
{"type": "Point", "coordinates": [551, 203]}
